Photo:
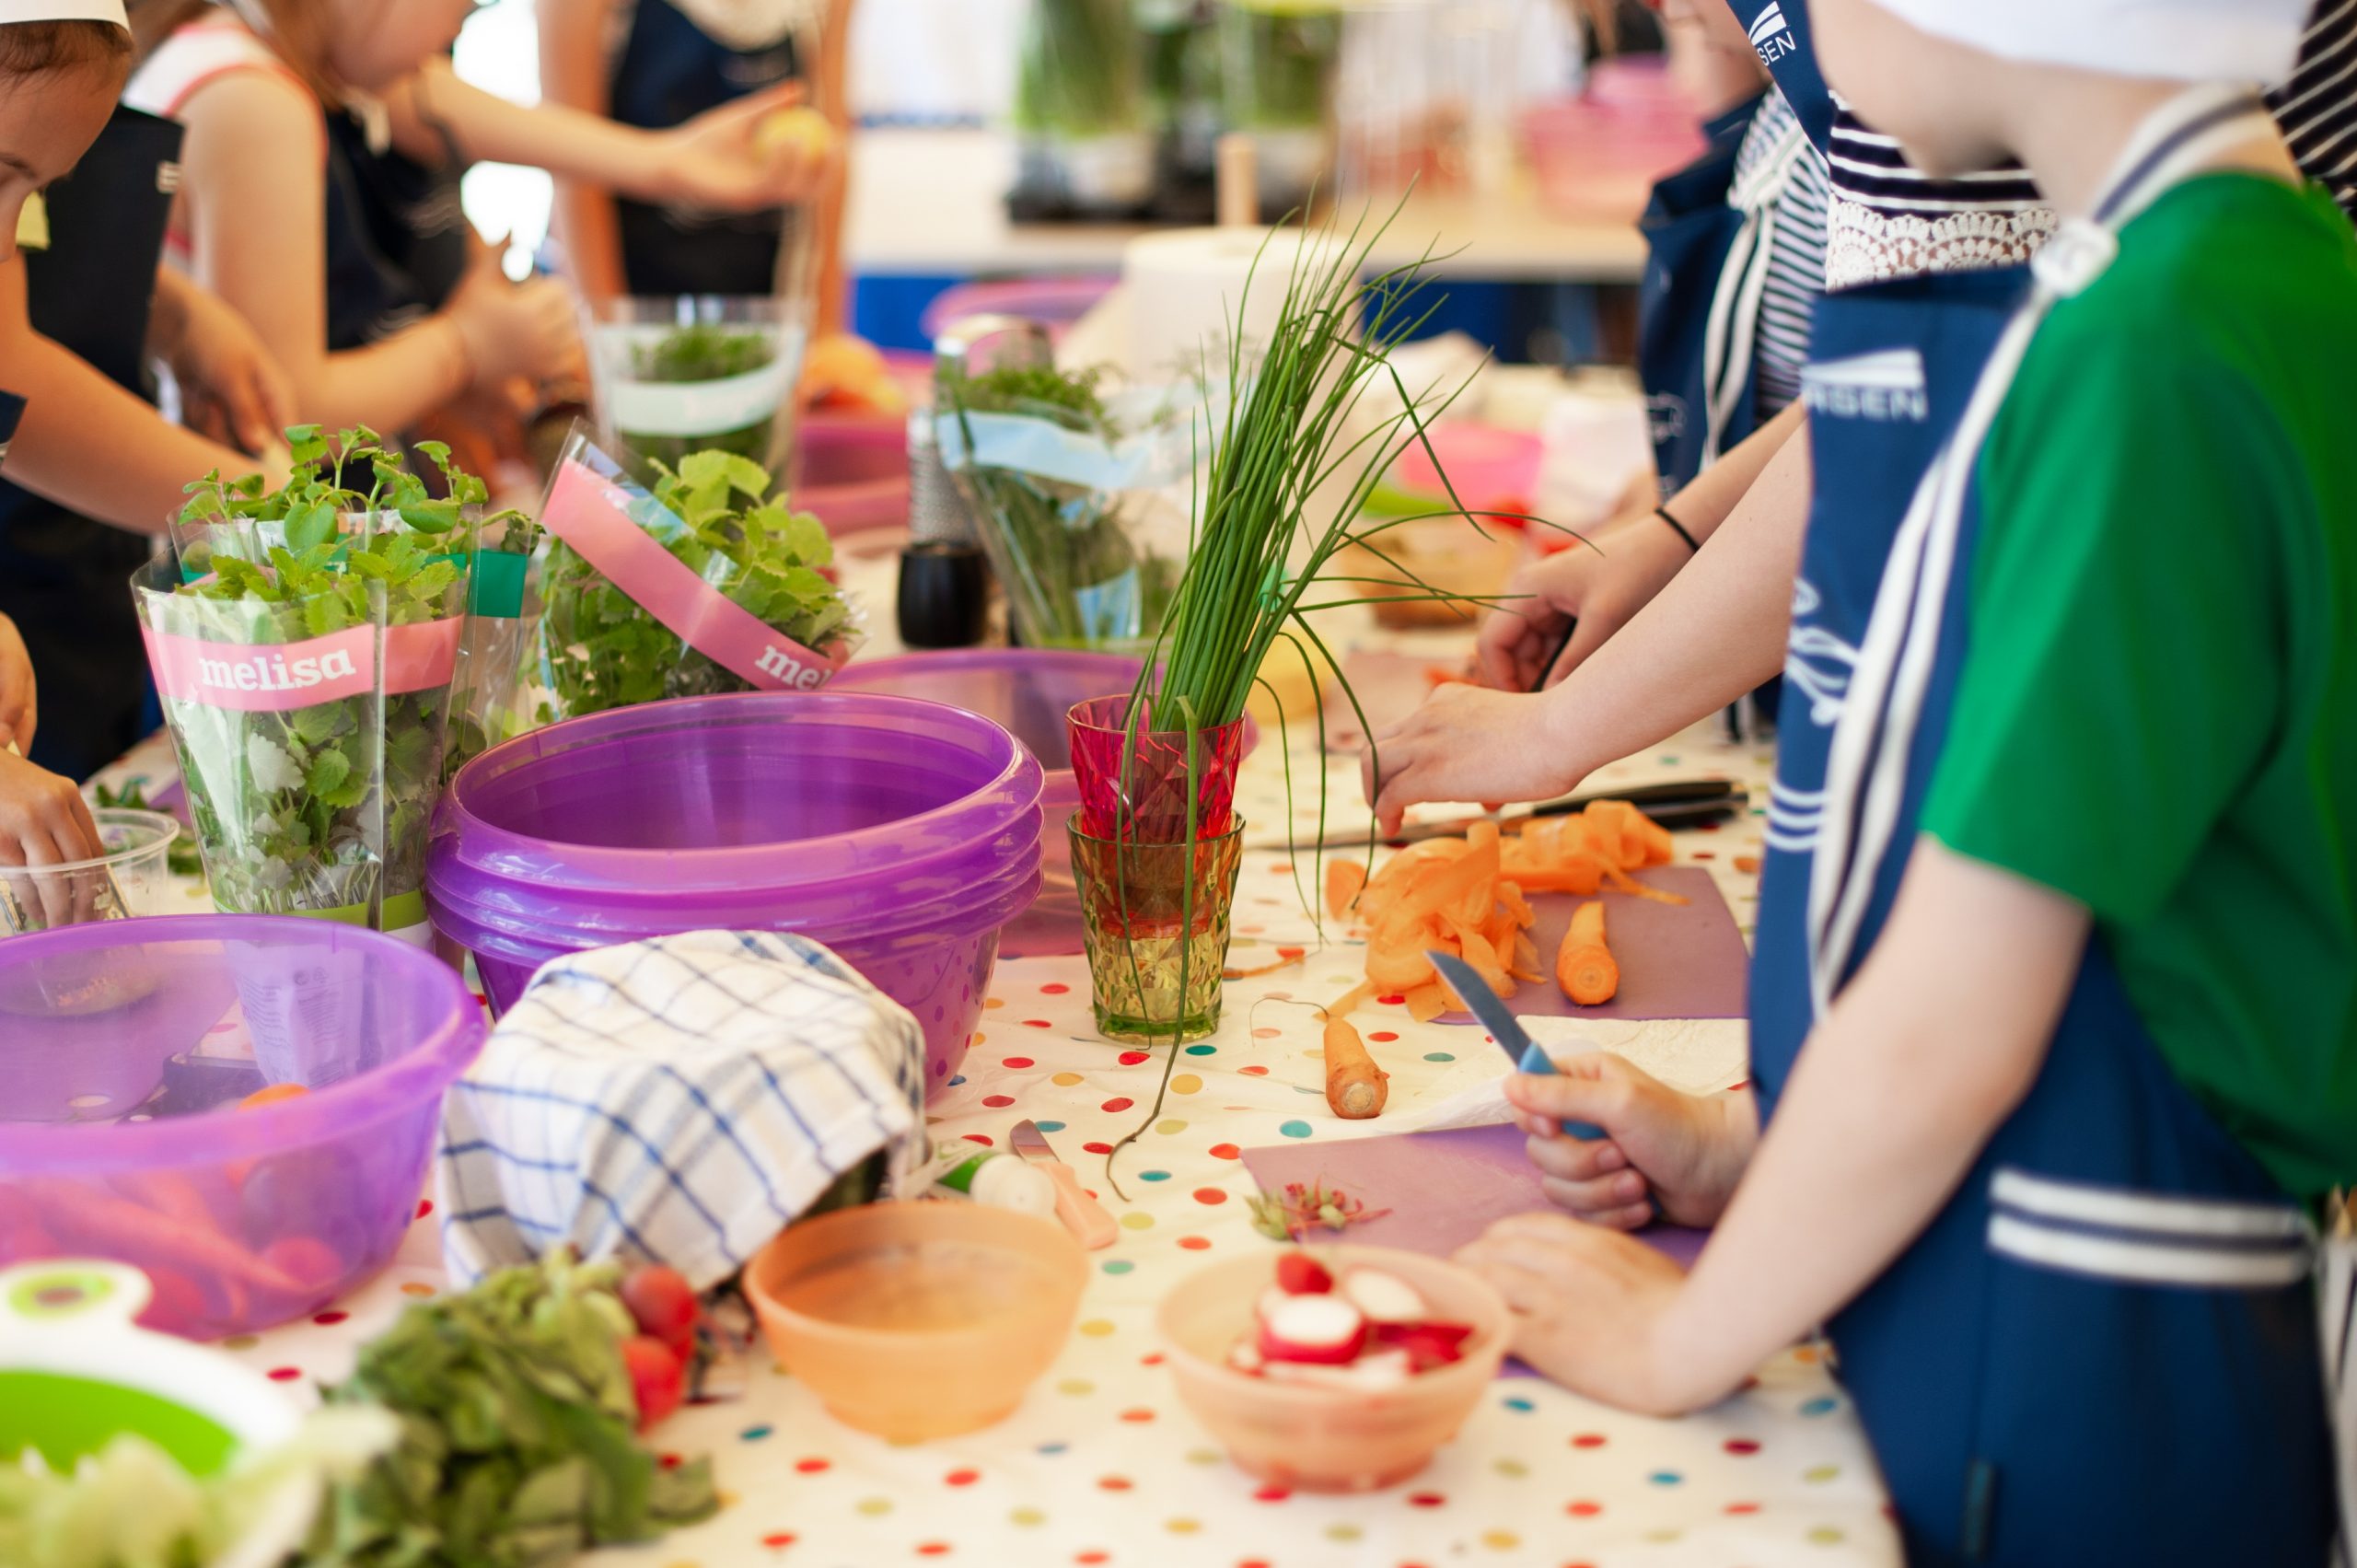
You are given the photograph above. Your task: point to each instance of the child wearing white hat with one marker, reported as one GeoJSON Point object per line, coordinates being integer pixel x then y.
{"type": "Point", "coordinates": [2054, 1006]}
{"type": "Point", "coordinates": [62, 63]}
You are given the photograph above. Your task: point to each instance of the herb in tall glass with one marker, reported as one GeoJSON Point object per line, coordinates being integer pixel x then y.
{"type": "Point", "coordinates": [706, 351]}
{"type": "Point", "coordinates": [1079, 74]}
{"type": "Point", "coordinates": [1074, 574]}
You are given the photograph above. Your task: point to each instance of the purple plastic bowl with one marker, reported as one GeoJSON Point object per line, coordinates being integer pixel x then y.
{"type": "Point", "coordinates": [902, 834]}
{"type": "Point", "coordinates": [242, 1218]}
{"type": "Point", "coordinates": [1027, 691]}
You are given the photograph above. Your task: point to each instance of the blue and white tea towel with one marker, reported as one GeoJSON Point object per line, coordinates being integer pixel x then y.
{"type": "Point", "coordinates": [681, 1100]}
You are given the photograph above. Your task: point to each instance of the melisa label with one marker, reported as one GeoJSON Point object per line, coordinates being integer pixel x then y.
{"type": "Point", "coordinates": [277, 677]}
{"type": "Point", "coordinates": [592, 515]}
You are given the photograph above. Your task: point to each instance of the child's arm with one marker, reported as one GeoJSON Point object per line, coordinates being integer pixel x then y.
{"type": "Point", "coordinates": [1627, 560]}
{"type": "Point", "coordinates": [573, 73]}
{"type": "Point", "coordinates": [87, 444]}
{"type": "Point", "coordinates": [1714, 632]}
{"type": "Point", "coordinates": [713, 160]}
{"type": "Point", "coordinates": [231, 389]}
{"type": "Point", "coordinates": [255, 195]}
{"type": "Point", "coordinates": [1932, 1044]}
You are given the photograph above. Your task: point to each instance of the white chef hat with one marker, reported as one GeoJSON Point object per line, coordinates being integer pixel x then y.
{"type": "Point", "coordinates": [65, 11]}
{"type": "Point", "coordinates": [2192, 41]}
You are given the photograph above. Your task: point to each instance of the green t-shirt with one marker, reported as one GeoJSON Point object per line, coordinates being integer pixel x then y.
{"type": "Point", "coordinates": [2158, 714]}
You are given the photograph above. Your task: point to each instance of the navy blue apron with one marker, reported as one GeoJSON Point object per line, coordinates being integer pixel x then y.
{"type": "Point", "coordinates": [670, 71]}
{"type": "Point", "coordinates": [62, 575]}
{"type": "Point", "coordinates": [2102, 1349]}
{"type": "Point", "coordinates": [375, 260]}
{"type": "Point", "coordinates": [1689, 226]}
{"type": "Point", "coordinates": [1780, 31]}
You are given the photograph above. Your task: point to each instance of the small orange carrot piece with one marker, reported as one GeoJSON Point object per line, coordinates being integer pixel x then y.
{"type": "Point", "coordinates": [1355, 1087]}
{"type": "Point", "coordinates": [1623, 883]}
{"type": "Point", "coordinates": [1584, 967]}
{"type": "Point", "coordinates": [1428, 1002]}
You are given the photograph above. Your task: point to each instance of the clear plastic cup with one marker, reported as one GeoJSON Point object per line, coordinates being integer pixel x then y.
{"type": "Point", "coordinates": [132, 878]}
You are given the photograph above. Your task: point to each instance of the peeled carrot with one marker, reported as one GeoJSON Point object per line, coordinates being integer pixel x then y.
{"type": "Point", "coordinates": [1355, 1087]}
{"type": "Point", "coordinates": [1584, 967]}
{"type": "Point", "coordinates": [1344, 879]}
{"type": "Point", "coordinates": [1428, 1002]}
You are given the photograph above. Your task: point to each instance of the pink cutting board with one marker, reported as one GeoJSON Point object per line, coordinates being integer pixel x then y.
{"type": "Point", "coordinates": [1443, 1188]}
{"type": "Point", "coordinates": [1676, 961]}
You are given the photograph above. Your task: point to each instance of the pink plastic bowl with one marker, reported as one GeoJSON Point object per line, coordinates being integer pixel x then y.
{"type": "Point", "coordinates": [125, 1048]}
{"type": "Point", "coordinates": [855, 471]}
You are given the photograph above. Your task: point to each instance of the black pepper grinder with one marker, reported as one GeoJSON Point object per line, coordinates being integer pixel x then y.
{"type": "Point", "coordinates": [944, 598]}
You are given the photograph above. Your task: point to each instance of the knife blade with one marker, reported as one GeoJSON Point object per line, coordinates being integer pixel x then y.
{"type": "Point", "coordinates": [1678, 803]}
{"type": "Point", "coordinates": [1487, 1005]}
{"type": "Point", "coordinates": [1083, 1215]}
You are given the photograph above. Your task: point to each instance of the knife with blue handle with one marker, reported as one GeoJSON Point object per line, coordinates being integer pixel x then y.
{"type": "Point", "coordinates": [1487, 1005]}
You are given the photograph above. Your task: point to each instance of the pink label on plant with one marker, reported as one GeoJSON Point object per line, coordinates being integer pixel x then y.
{"type": "Point", "coordinates": [592, 514]}
{"type": "Point", "coordinates": [276, 677]}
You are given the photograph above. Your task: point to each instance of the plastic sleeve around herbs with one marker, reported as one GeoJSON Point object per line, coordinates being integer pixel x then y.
{"type": "Point", "coordinates": [311, 734]}
{"type": "Point", "coordinates": [733, 600]}
{"type": "Point", "coordinates": [1086, 531]}
{"type": "Point", "coordinates": [496, 647]}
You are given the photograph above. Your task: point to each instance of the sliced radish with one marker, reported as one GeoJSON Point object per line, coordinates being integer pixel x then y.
{"type": "Point", "coordinates": [1383, 1298]}
{"type": "Point", "coordinates": [1323, 1330]}
{"type": "Point", "coordinates": [1373, 1374]}
{"type": "Point", "coordinates": [1300, 1274]}
{"type": "Point", "coordinates": [1271, 1299]}
{"type": "Point", "coordinates": [1427, 1344]}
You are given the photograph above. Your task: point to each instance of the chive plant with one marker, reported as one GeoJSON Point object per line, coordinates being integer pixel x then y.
{"type": "Point", "coordinates": [1296, 451]}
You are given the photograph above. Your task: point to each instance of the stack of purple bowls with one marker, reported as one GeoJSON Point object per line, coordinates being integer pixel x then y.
{"type": "Point", "coordinates": [901, 834]}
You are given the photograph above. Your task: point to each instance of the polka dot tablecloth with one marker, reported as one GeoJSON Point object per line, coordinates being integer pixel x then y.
{"type": "Point", "coordinates": [1101, 1464]}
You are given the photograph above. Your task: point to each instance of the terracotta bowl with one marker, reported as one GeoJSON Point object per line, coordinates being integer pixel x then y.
{"type": "Point", "coordinates": [1318, 1439]}
{"type": "Point", "coordinates": [1015, 1279]}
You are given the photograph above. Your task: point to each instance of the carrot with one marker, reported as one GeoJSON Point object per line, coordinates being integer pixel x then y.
{"type": "Point", "coordinates": [1585, 967]}
{"type": "Point", "coordinates": [1355, 1087]}
{"type": "Point", "coordinates": [1428, 1002]}
{"type": "Point", "coordinates": [1348, 1003]}
{"type": "Point", "coordinates": [110, 1223]}
{"type": "Point", "coordinates": [1623, 883]}
{"type": "Point", "coordinates": [1344, 880]}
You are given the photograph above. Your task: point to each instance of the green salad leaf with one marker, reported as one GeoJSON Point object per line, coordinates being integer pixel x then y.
{"type": "Point", "coordinates": [516, 1445]}
{"type": "Point", "coordinates": [597, 648]}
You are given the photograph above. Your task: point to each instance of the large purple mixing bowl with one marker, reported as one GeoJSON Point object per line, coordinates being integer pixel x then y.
{"type": "Point", "coordinates": [125, 1048]}
{"type": "Point", "coordinates": [1028, 691]}
{"type": "Point", "coordinates": [903, 834]}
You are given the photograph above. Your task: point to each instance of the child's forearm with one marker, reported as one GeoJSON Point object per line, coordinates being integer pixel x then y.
{"type": "Point", "coordinates": [1928, 1051]}
{"type": "Point", "coordinates": [1714, 632]}
{"type": "Point", "coordinates": [87, 444]}
{"type": "Point", "coordinates": [436, 114]}
{"type": "Point", "coordinates": [389, 384]}
{"type": "Point", "coordinates": [1715, 494]}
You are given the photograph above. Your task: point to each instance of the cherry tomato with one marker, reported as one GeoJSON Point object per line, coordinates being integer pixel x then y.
{"type": "Point", "coordinates": [657, 1379]}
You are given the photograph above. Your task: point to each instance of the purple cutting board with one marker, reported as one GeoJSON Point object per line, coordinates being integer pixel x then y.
{"type": "Point", "coordinates": [1443, 1188]}
{"type": "Point", "coordinates": [1676, 961]}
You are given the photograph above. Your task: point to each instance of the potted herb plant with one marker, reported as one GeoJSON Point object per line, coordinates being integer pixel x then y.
{"type": "Point", "coordinates": [1080, 107]}
{"type": "Point", "coordinates": [1063, 498]}
{"type": "Point", "coordinates": [704, 582]}
{"type": "Point", "coordinates": [1307, 433]}
{"type": "Point", "coordinates": [698, 374]}
{"type": "Point", "coordinates": [303, 653]}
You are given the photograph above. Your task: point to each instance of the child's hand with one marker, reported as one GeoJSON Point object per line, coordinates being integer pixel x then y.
{"type": "Point", "coordinates": [1601, 584]}
{"type": "Point", "coordinates": [1466, 743]}
{"type": "Point", "coordinates": [232, 388]}
{"type": "Point", "coordinates": [1681, 1150]}
{"type": "Point", "coordinates": [1588, 1309]}
{"type": "Point", "coordinates": [732, 158]}
{"type": "Point", "coordinates": [513, 330]}
{"type": "Point", "coordinates": [18, 709]}
{"type": "Point", "coordinates": [43, 821]}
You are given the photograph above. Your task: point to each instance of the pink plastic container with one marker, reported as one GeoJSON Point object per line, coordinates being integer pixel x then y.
{"type": "Point", "coordinates": [902, 834]}
{"type": "Point", "coordinates": [1028, 692]}
{"type": "Point", "coordinates": [1492, 469]}
{"type": "Point", "coordinates": [1056, 302]}
{"type": "Point", "coordinates": [854, 473]}
{"type": "Point", "coordinates": [125, 1048]}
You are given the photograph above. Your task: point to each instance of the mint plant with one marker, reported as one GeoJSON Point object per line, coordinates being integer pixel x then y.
{"type": "Point", "coordinates": [314, 807]}
{"type": "Point", "coordinates": [599, 648]}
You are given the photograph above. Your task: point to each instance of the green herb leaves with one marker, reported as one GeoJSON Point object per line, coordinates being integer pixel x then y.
{"type": "Point", "coordinates": [516, 1447]}
{"type": "Point", "coordinates": [599, 648]}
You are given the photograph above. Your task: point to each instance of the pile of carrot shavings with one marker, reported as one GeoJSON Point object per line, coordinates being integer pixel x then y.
{"type": "Point", "coordinates": [1469, 896]}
